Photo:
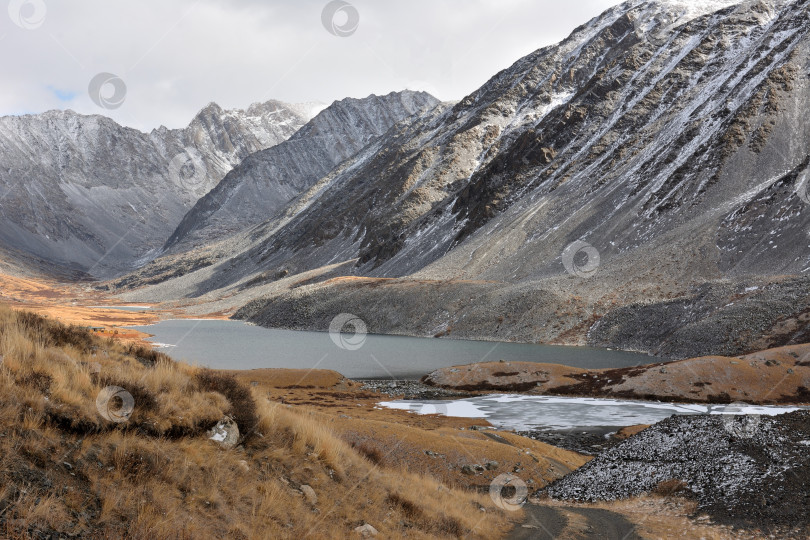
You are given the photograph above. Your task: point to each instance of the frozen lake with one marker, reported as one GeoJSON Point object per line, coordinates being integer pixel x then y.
{"type": "Point", "coordinates": [529, 413]}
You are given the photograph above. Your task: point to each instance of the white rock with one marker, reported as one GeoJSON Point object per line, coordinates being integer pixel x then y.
{"type": "Point", "coordinates": [366, 531]}
{"type": "Point", "coordinates": [226, 433]}
{"type": "Point", "coordinates": [309, 494]}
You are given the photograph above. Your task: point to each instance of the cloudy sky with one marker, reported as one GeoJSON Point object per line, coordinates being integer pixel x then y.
{"type": "Point", "coordinates": [175, 57]}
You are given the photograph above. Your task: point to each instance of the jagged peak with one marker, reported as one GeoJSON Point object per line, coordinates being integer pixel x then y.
{"type": "Point", "coordinates": [341, 106]}
{"type": "Point", "coordinates": [660, 15]}
{"type": "Point", "coordinates": [58, 114]}
{"type": "Point", "coordinates": [212, 109]}
{"type": "Point", "coordinates": [390, 95]}
{"type": "Point", "coordinates": [258, 109]}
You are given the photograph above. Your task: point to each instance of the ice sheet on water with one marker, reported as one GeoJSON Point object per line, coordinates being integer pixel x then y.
{"type": "Point", "coordinates": [522, 412]}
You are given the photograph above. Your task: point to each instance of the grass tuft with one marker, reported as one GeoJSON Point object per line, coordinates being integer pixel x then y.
{"type": "Point", "coordinates": [243, 408]}
{"type": "Point", "coordinates": [67, 471]}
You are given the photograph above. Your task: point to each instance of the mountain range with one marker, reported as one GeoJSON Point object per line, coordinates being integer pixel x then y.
{"type": "Point", "coordinates": [266, 181]}
{"type": "Point", "coordinates": [642, 184]}
{"type": "Point", "coordinates": [89, 197]}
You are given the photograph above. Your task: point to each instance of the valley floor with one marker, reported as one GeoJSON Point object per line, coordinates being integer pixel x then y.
{"type": "Point", "coordinates": [82, 305]}
{"type": "Point", "coordinates": [316, 426]}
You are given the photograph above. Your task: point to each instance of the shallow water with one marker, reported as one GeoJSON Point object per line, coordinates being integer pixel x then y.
{"type": "Point", "coordinates": [225, 344]}
{"type": "Point", "coordinates": [539, 413]}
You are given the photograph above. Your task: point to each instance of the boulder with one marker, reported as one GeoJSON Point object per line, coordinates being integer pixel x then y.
{"type": "Point", "coordinates": [225, 433]}
{"type": "Point", "coordinates": [309, 494]}
{"type": "Point", "coordinates": [366, 531]}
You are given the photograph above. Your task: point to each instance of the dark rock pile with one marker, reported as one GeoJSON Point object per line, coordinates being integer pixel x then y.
{"type": "Point", "coordinates": [747, 471]}
{"type": "Point", "coordinates": [409, 389]}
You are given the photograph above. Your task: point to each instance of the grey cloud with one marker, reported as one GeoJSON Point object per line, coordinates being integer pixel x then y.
{"type": "Point", "coordinates": [177, 56]}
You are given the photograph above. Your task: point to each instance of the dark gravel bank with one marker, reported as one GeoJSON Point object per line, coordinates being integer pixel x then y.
{"type": "Point", "coordinates": [750, 474]}
{"type": "Point", "coordinates": [590, 441]}
{"type": "Point", "coordinates": [410, 389]}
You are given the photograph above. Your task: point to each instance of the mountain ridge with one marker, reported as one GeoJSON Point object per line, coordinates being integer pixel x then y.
{"type": "Point", "coordinates": [263, 183]}
{"type": "Point", "coordinates": [76, 190]}
{"type": "Point", "coordinates": [658, 149]}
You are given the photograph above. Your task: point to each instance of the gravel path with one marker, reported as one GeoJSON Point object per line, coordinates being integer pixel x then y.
{"type": "Point", "coordinates": [546, 523]}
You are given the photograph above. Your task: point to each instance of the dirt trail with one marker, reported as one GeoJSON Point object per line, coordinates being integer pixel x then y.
{"type": "Point", "coordinates": [544, 522]}
{"type": "Point", "coordinates": [541, 522]}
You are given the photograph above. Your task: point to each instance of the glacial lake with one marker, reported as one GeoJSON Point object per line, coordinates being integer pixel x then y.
{"type": "Point", "coordinates": [225, 344]}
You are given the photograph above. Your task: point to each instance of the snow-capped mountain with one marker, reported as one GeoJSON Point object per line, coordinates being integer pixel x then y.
{"type": "Point", "coordinates": [85, 194]}
{"type": "Point", "coordinates": [669, 137]}
{"type": "Point", "coordinates": [266, 181]}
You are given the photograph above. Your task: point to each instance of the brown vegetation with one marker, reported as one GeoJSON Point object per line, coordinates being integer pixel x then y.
{"type": "Point", "coordinates": [397, 439]}
{"type": "Point", "coordinates": [775, 376]}
{"type": "Point", "coordinates": [82, 305]}
{"type": "Point", "coordinates": [67, 470]}
{"type": "Point", "coordinates": [74, 304]}
{"type": "Point", "coordinates": [672, 486]}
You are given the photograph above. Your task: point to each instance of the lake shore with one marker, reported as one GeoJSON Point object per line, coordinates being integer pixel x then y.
{"type": "Point", "coordinates": [462, 453]}
{"type": "Point", "coordinates": [81, 304]}
{"type": "Point", "coordinates": [774, 376]}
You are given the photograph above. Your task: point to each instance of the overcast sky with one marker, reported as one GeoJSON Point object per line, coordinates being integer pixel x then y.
{"type": "Point", "coordinates": [176, 56]}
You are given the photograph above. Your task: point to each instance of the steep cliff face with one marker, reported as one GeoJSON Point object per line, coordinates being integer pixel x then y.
{"type": "Point", "coordinates": [645, 118]}
{"type": "Point", "coordinates": [86, 193]}
{"type": "Point", "coordinates": [668, 137]}
{"type": "Point", "coordinates": [695, 129]}
{"type": "Point", "coordinates": [266, 181]}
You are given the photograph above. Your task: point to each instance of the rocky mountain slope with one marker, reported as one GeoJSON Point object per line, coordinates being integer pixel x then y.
{"type": "Point", "coordinates": [266, 181]}
{"type": "Point", "coordinates": [655, 160]}
{"type": "Point", "coordinates": [92, 197]}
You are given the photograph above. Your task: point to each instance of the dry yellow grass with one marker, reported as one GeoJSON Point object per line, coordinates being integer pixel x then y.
{"type": "Point", "coordinates": [396, 445]}
{"type": "Point", "coordinates": [67, 470]}
{"type": "Point", "coordinates": [437, 445]}
{"type": "Point", "coordinates": [780, 375]}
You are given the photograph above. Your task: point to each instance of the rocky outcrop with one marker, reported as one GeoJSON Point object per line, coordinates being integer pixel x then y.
{"type": "Point", "coordinates": [309, 494]}
{"type": "Point", "coordinates": [776, 376]}
{"type": "Point", "coordinates": [225, 433]}
{"type": "Point", "coordinates": [264, 183]}
{"type": "Point", "coordinates": [366, 531]}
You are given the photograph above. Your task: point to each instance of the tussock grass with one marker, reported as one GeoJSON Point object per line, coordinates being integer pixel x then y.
{"type": "Point", "coordinates": [65, 469]}
{"type": "Point", "coordinates": [243, 408]}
